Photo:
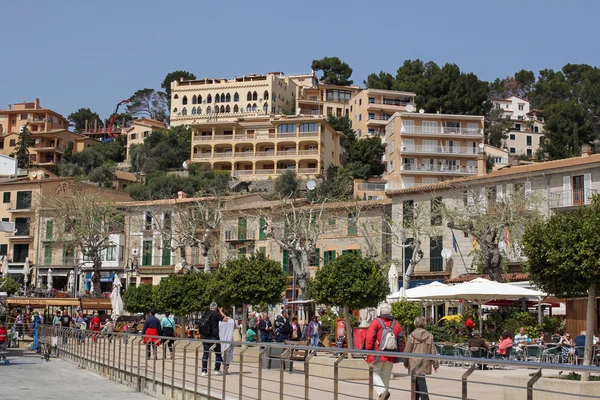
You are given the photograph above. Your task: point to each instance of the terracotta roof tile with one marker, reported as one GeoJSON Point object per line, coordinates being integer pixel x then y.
{"type": "Point", "coordinates": [512, 277]}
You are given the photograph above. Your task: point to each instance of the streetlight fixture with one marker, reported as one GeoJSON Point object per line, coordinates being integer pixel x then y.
{"type": "Point", "coordinates": [131, 266]}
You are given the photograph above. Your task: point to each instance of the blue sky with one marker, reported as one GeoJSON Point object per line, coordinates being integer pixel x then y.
{"type": "Point", "coordinates": [73, 53]}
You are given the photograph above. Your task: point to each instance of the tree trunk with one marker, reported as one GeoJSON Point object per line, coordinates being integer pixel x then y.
{"type": "Point", "coordinates": [589, 331]}
{"type": "Point", "coordinates": [183, 326]}
{"type": "Point", "coordinates": [406, 277]}
{"type": "Point", "coordinates": [95, 281]}
{"type": "Point", "coordinates": [349, 337]}
{"type": "Point", "coordinates": [244, 321]}
{"type": "Point", "coordinates": [494, 264]}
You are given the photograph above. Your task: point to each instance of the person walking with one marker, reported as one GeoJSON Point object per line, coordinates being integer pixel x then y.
{"type": "Point", "coordinates": [283, 327]}
{"type": "Point", "coordinates": [296, 331]}
{"type": "Point", "coordinates": [95, 327]}
{"type": "Point", "coordinates": [265, 327]}
{"type": "Point", "coordinates": [253, 322]}
{"type": "Point", "coordinates": [66, 322]}
{"type": "Point", "coordinates": [421, 342]}
{"type": "Point", "coordinates": [109, 328]}
{"type": "Point", "coordinates": [393, 340]}
{"type": "Point", "coordinates": [151, 331]}
{"type": "Point", "coordinates": [168, 329]}
{"type": "Point", "coordinates": [209, 326]}
{"type": "Point", "coordinates": [313, 333]}
{"type": "Point", "coordinates": [226, 329]}
{"type": "Point", "coordinates": [20, 324]}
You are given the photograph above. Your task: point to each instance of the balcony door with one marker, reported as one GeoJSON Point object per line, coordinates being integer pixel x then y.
{"type": "Point", "coordinates": [20, 252]}
{"type": "Point", "coordinates": [578, 190]}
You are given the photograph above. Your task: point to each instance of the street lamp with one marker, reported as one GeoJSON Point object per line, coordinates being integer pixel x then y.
{"type": "Point", "coordinates": [77, 272]}
{"type": "Point", "coordinates": [130, 267]}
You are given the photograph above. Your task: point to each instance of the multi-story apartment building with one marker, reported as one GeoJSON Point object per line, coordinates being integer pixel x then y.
{"type": "Point", "coordinates": [21, 199]}
{"type": "Point", "coordinates": [49, 146]}
{"type": "Point", "coordinates": [557, 186]}
{"type": "Point", "coordinates": [528, 126]}
{"type": "Point", "coordinates": [424, 148]}
{"type": "Point", "coordinates": [139, 130]}
{"type": "Point", "coordinates": [262, 147]}
{"type": "Point", "coordinates": [39, 119]}
{"type": "Point", "coordinates": [196, 102]}
{"type": "Point", "coordinates": [325, 99]}
{"type": "Point", "coordinates": [371, 109]}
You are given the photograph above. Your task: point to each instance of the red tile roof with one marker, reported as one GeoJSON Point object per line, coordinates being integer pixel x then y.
{"type": "Point", "coordinates": [513, 277]}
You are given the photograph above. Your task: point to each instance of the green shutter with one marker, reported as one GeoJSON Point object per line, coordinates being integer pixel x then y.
{"type": "Point", "coordinates": [49, 228]}
{"type": "Point", "coordinates": [436, 262]}
{"type": "Point", "coordinates": [329, 256]}
{"type": "Point", "coordinates": [147, 253]}
{"type": "Point", "coordinates": [285, 263]}
{"type": "Point", "coordinates": [6, 197]}
{"type": "Point", "coordinates": [352, 229]}
{"type": "Point", "coordinates": [166, 254]}
{"type": "Point", "coordinates": [241, 252]}
{"type": "Point", "coordinates": [68, 255]}
{"type": "Point", "coordinates": [3, 249]}
{"type": "Point", "coordinates": [318, 257]}
{"type": "Point", "coordinates": [262, 235]}
{"type": "Point", "coordinates": [47, 255]}
{"type": "Point", "coordinates": [242, 225]}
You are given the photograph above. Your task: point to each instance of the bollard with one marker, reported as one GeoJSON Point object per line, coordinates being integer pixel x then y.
{"type": "Point", "coordinates": [532, 382]}
{"type": "Point", "coordinates": [464, 380]}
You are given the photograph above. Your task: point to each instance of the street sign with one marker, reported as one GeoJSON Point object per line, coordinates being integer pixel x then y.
{"type": "Point", "coordinates": [446, 253]}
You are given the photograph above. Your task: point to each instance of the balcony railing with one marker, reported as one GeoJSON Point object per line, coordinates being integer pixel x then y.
{"type": "Point", "coordinates": [19, 233]}
{"type": "Point", "coordinates": [265, 172]}
{"type": "Point", "coordinates": [447, 169]}
{"type": "Point", "coordinates": [308, 170]}
{"type": "Point", "coordinates": [397, 103]}
{"type": "Point", "coordinates": [308, 152]}
{"type": "Point", "coordinates": [247, 136]}
{"type": "Point", "coordinates": [20, 205]}
{"type": "Point", "coordinates": [243, 154]}
{"type": "Point", "coordinates": [571, 198]}
{"type": "Point", "coordinates": [379, 117]}
{"type": "Point", "coordinates": [442, 130]}
{"type": "Point", "coordinates": [371, 186]}
{"type": "Point", "coordinates": [439, 149]}
{"type": "Point", "coordinates": [269, 153]}
{"type": "Point", "coordinates": [243, 172]}
{"type": "Point", "coordinates": [234, 235]}
{"type": "Point", "coordinates": [223, 155]}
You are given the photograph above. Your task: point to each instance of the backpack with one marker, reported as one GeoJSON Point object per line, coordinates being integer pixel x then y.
{"type": "Point", "coordinates": [388, 341]}
{"type": "Point", "coordinates": [204, 325]}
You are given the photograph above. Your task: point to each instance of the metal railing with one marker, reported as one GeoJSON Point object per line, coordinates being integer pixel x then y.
{"type": "Point", "coordinates": [451, 169]}
{"type": "Point", "coordinates": [571, 198]}
{"type": "Point", "coordinates": [396, 103]}
{"type": "Point", "coordinates": [439, 149]}
{"type": "Point", "coordinates": [371, 186]}
{"type": "Point", "coordinates": [278, 371]}
{"type": "Point", "coordinates": [442, 130]}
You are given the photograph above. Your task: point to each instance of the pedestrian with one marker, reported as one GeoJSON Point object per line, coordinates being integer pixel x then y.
{"type": "Point", "coordinates": [253, 322]}
{"type": "Point", "coordinates": [209, 328]}
{"type": "Point", "coordinates": [95, 326]}
{"type": "Point", "coordinates": [295, 331]}
{"type": "Point", "coordinates": [168, 329]}
{"type": "Point", "coordinates": [313, 333]}
{"type": "Point", "coordinates": [226, 328]}
{"type": "Point", "coordinates": [82, 324]}
{"type": "Point", "coordinates": [109, 328]}
{"type": "Point", "coordinates": [384, 334]}
{"type": "Point", "coordinates": [151, 331]}
{"type": "Point", "coordinates": [35, 322]}
{"type": "Point", "coordinates": [265, 327]}
{"type": "Point", "coordinates": [66, 322]}
{"type": "Point", "coordinates": [283, 327]}
{"type": "Point", "coordinates": [421, 342]}
{"type": "Point", "coordinates": [20, 324]}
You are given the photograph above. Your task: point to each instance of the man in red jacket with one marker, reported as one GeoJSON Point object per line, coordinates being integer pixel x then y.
{"type": "Point", "coordinates": [382, 365]}
{"type": "Point", "coordinates": [95, 326]}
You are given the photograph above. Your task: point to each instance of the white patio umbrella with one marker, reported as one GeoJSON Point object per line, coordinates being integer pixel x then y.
{"type": "Point", "coordinates": [480, 291]}
{"type": "Point", "coordinates": [50, 279]}
{"type": "Point", "coordinates": [26, 273]}
{"type": "Point", "coordinates": [419, 292]}
{"type": "Point", "coordinates": [71, 282]}
{"type": "Point", "coordinates": [5, 267]}
{"type": "Point", "coordinates": [38, 280]}
{"type": "Point", "coordinates": [115, 298]}
{"type": "Point", "coordinates": [393, 278]}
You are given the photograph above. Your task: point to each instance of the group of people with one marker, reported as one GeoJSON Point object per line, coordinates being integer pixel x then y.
{"type": "Point", "coordinates": [264, 330]}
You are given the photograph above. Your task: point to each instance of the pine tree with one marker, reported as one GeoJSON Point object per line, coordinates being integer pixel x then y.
{"type": "Point", "coordinates": [21, 152]}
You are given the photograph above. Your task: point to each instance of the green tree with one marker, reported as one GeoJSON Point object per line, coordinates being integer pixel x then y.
{"type": "Point", "coordinates": [337, 184]}
{"type": "Point", "coordinates": [79, 118]}
{"type": "Point", "coordinates": [567, 245]}
{"type": "Point", "coordinates": [383, 80]}
{"type": "Point", "coordinates": [148, 103]}
{"type": "Point", "coordinates": [351, 282]}
{"type": "Point", "coordinates": [21, 152]}
{"type": "Point", "coordinates": [343, 125]}
{"type": "Point", "coordinates": [568, 125]}
{"type": "Point", "coordinates": [249, 280]}
{"type": "Point", "coordinates": [175, 76]}
{"type": "Point", "coordinates": [68, 153]}
{"type": "Point", "coordinates": [363, 157]}
{"type": "Point", "coordinates": [99, 154]}
{"type": "Point", "coordinates": [183, 294]}
{"type": "Point", "coordinates": [496, 127]}
{"type": "Point", "coordinates": [103, 175]}
{"type": "Point", "coordinates": [286, 185]}
{"type": "Point", "coordinates": [123, 119]}
{"type": "Point", "coordinates": [335, 71]}
{"type": "Point", "coordinates": [139, 299]}
{"type": "Point", "coordinates": [9, 285]}
{"type": "Point", "coordinates": [162, 150]}
{"type": "Point", "coordinates": [405, 313]}
{"type": "Point", "coordinates": [526, 80]}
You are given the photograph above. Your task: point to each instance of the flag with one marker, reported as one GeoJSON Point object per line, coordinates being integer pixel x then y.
{"type": "Point", "coordinates": [474, 243]}
{"type": "Point", "coordinates": [507, 236]}
{"type": "Point", "coordinates": [454, 243]}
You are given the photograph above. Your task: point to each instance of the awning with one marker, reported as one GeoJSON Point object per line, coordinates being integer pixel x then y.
{"type": "Point", "coordinates": [55, 272]}
{"type": "Point", "coordinates": [104, 277]}
{"type": "Point", "coordinates": [100, 303]}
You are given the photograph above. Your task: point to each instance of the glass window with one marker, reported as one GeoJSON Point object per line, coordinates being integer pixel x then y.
{"type": "Point", "coordinates": [352, 226]}
{"type": "Point", "coordinates": [184, 100]}
{"type": "Point", "coordinates": [309, 127]}
{"type": "Point", "coordinates": [529, 140]}
{"type": "Point", "coordinates": [329, 256]}
{"type": "Point", "coordinates": [236, 96]}
{"type": "Point", "coordinates": [436, 262]}
{"type": "Point", "coordinates": [184, 111]}
{"type": "Point", "coordinates": [429, 126]}
{"type": "Point", "coordinates": [408, 208]}
{"type": "Point", "coordinates": [6, 197]}
{"type": "Point", "coordinates": [285, 128]}
{"type": "Point", "coordinates": [512, 136]}
{"type": "Point", "coordinates": [436, 211]}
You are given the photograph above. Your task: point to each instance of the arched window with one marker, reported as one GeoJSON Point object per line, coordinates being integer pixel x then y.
{"type": "Point", "coordinates": [222, 109]}
{"type": "Point", "coordinates": [175, 96]}
{"type": "Point", "coordinates": [209, 99]}
{"type": "Point", "coordinates": [249, 97]}
{"type": "Point", "coordinates": [222, 97]}
{"type": "Point", "coordinates": [208, 110]}
{"type": "Point", "coordinates": [199, 99]}
{"type": "Point", "coordinates": [265, 107]}
{"type": "Point", "coordinates": [228, 98]}
{"type": "Point", "coordinates": [217, 98]}
{"type": "Point", "coordinates": [194, 99]}
{"type": "Point", "coordinates": [227, 109]}
{"type": "Point", "coordinates": [184, 100]}
{"type": "Point", "coordinates": [175, 110]}
{"type": "Point", "coordinates": [199, 111]}
{"type": "Point", "coordinates": [193, 110]}
{"type": "Point", "coordinates": [266, 95]}
{"type": "Point", "coordinates": [184, 111]}
{"type": "Point", "coordinates": [254, 96]}
{"type": "Point", "coordinates": [254, 107]}
{"type": "Point", "coordinates": [236, 108]}
{"type": "Point", "coordinates": [236, 97]}
{"type": "Point", "coordinates": [216, 109]}
{"type": "Point", "coordinates": [249, 107]}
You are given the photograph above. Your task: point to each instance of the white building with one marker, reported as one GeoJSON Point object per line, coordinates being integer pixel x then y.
{"type": "Point", "coordinates": [527, 132]}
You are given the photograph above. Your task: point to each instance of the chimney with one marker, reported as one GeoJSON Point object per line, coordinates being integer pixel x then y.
{"type": "Point", "coordinates": [36, 104]}
{"type": "Point", "coordinates": [586, 150]}
{"type": "Point", "coordinates": [513, 161]}
{"type": "Point", "coordinates": [181, 194]}
{"type": "Point", "coordinates": [481, 164]}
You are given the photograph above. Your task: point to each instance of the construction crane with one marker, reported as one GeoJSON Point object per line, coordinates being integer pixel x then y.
{"type": "Point", "coordinates": [114, 116]}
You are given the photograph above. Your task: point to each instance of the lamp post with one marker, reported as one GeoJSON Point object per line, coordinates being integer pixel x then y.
{"type": "Point", "coordinates": [130, 267]}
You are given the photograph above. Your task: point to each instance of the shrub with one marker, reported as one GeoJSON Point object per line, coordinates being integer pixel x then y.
{"type": "Point", "coordinates": [405, 313]}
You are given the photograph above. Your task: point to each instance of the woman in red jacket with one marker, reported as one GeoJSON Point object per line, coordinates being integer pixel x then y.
{"type": "Point", "coordinates": [382, 365]}
{"type": "Point", "coordinates": [95, 326]}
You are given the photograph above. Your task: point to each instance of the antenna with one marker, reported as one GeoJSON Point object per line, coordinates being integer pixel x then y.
{"type": "Point", "coordinates": [311, 185]}
{"type": "Point", "coordinates": [410, 108]}
{"type": "Point", "coordinates": [421, 111]}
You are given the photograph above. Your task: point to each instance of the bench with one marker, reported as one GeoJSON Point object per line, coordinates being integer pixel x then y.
{"type": "Point", "coordinates": [273, 356]}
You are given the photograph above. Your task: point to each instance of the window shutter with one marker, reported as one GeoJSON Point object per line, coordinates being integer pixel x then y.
{"type": "Point", "coordinates": [242, 225]}
{"type": "Point", "coordinates": [527, 188]}
{"type": "Point", "coordinates": [262, 235]}
{"type": "Point", "coordinates": [285, 263]}
{"type": "Point", "coordinates": [499, 197]}
{"type": "Point", "coordinates": [587, 188]}
{"type": "Point", "coordinates": [49, 228]}
{"type": "Point", "coordinates": [318, 257]}
{"type": "Point", "coordinates": [483, 199]}
{"type": "Point", "coordinates": [509, 190]}
{"type": "Point", "coordinates": [567, 196]}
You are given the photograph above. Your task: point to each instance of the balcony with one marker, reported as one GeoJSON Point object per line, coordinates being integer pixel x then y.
{"type": "Point", "coordinates": [42, 147]}
{"type": "Point", "coordinates": [378, 118]}
{"type": "Point", "coordinates": [269, 153]}
{"type": "Point", "coordinates": [472, 132]}
{"type": "Point", "coordinates": [308, 152]}
{"type": "Point", "coordinates": [451, 150]}
{"type": "Point", "coordinates": [438, 169]}
{"type": "Point", "coordinates": [391, 105]}
{"type": "Point", "coordinates": [237, 235]}
{"type": "Point", "coordinates": [570, 198]}
{"type": "Point", "coordinates": [286, 153]}
{"type": "Point", "coordinates": [308, 171]}
{"type": "Point", "coordinates": [202, 156]}
{"type": "Point", "coordinates": [243, 154]}
{"type": "Point", "coordinates": [371, 186]}
{"type": "Point", "coordinates": [242, 137]}
{"type": "Point", "coordinates": [20, 206]}
{"type": "Point", "coordinates": [20, 233]}
{"type": "Point", "coordinates": [223, 155]}
{"type": "Point", "coordinates": [244, 172]}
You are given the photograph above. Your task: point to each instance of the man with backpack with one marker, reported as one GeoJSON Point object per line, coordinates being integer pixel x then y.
{"type": "Point", "coordinates": [282, 323]}
{"type": "Point", "coordinates": [209, 329]}
{"type": "Point", "coordinates": [384, 334]}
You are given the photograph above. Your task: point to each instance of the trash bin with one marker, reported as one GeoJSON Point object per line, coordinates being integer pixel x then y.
{"type": "Point", "coordinates": [360, 337]}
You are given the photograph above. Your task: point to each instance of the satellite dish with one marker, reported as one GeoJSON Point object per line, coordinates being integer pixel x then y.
{"type": "Point", "coordinates": [40, 172]}
{"type": "Point", "coordinates": [410, 108]}
{"type": "Point", "coordinates": [298, 110]}
{"type": "Point", "coordinates": [178, 267]}
{"type": "Point", "coordinates": [37, 141]}
{"type": "Point", "coordinates": [311, 185]}
{"type": "Point", "coordinates": [32, 175]}
{"type": "Point", "coordinates": [186, 164]}
{"type": "Point", "coordinates": [421, 111]}
{"type": "Point", "coordinates": [481, 146]}
{"type": "Point", "coordinates": [446, 254]}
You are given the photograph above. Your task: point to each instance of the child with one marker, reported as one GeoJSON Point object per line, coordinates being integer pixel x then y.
{"type": "Point", "coordinates": [250, 335]}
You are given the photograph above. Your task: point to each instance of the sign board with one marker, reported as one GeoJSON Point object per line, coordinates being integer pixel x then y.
{"type": "Point", "coordinates": [446, 254]}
